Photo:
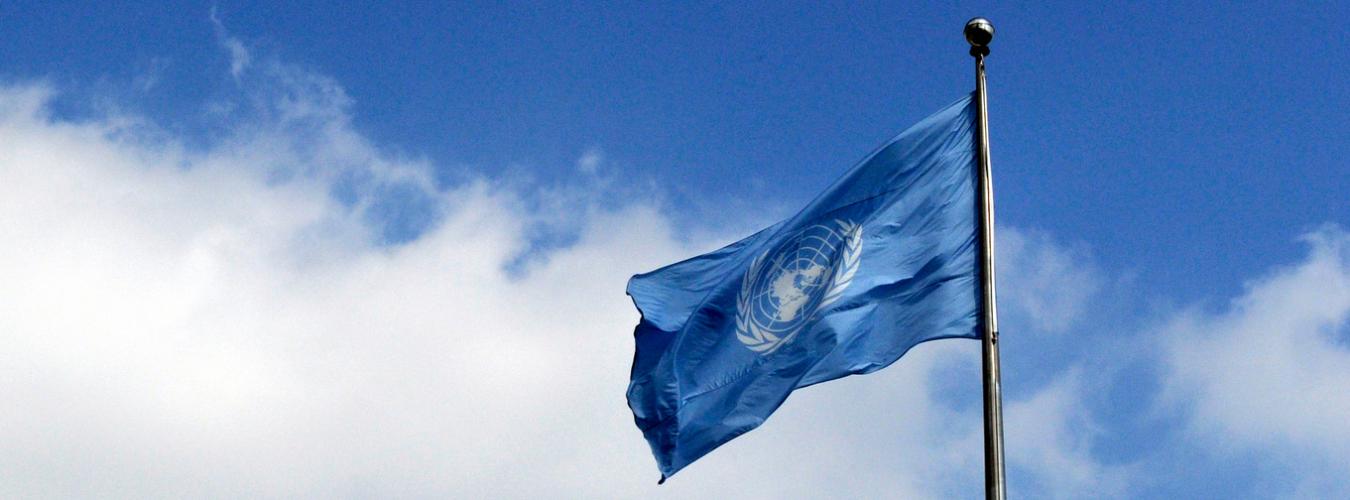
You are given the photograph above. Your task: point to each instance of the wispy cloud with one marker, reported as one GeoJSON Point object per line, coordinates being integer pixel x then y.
{"type": "Point", "coordinates": [239, 54]}
{"type": "Point", "coordinates": [1045, 283]}
{"type": "Point", "coordinates": [589, 163]}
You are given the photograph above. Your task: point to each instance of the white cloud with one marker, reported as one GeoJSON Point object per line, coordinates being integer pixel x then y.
{"type": "Point", "coordinates": [1270, 374]}
{"type": "Point", "coordinates": [1050, 437]}
{"type": "Point", "coordinates": [1043, 282]}
{"type": "Point", "coordinates": [181, 324]}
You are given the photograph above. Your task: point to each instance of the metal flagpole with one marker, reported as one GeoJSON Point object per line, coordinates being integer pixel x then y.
{"type": "Point", "coordinates": [979, 32]}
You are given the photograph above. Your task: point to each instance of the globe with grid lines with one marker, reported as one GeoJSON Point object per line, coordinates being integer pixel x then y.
{"type": "Point", "coordinates": [797, 275]}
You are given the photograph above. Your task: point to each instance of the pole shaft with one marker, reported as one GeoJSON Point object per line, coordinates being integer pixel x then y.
{"type": "Point", "coordinates": [994, 486]}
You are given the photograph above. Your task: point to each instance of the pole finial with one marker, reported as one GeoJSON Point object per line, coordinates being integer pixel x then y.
{"type": "Point", "coordinates": [979, 32]}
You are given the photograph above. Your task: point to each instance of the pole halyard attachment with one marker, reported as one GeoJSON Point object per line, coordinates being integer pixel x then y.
{"type": "Point", "coordinates": [979, 32]}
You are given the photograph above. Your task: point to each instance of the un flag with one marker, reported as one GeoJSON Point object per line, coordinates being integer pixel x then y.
{"type": "Point", "coordinates": [882, 260]}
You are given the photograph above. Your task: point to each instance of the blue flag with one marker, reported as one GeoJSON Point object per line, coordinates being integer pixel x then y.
{"type": "Point", "coordinates": [882, 260]}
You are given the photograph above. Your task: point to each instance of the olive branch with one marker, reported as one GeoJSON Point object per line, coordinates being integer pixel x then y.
{"type": "Point", "coordinates": [747, 331]}
{"type": "Point", "coordinates": [843, 276]}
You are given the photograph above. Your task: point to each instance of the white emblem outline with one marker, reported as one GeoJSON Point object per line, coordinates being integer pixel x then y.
{"type": "Point", "coordinates": [754, 335]}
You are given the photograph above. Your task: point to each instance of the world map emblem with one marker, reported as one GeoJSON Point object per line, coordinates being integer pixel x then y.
{"type": "Point", "coordinates": [788, 284]}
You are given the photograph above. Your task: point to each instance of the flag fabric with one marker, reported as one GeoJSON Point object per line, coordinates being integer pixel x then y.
{"type": "Point", "coordinates": [882, 260]}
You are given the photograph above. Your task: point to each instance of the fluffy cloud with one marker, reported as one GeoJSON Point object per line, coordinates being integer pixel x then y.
{"type": "Point", "coordinates": [1050, 436]}
{"type": "Point", "coordinates": [1270, 374]}
{"type": "Point", "coordinates": [1045, 284]}
{"type": "Point", "coordinates": [184, 323]}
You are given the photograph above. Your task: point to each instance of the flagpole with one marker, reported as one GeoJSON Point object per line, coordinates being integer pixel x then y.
{"type": "Point", "coordinates": [979, 32]}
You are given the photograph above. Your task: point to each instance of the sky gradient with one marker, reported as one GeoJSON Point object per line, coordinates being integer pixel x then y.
{"type": "Point", "coordinates": [262, 250]}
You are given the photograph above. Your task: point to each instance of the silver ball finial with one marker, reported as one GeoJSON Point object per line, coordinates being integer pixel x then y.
{"type": "Point", "coordinates": [979, 32]}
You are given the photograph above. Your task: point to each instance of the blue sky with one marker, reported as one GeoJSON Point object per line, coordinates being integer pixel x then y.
{"type": "Point", "coordinates": [1212, 128]}
{"type": "Point", "coordinates": [1170, 182]}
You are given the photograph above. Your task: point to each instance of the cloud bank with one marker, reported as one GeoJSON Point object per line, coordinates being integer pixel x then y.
{"type": "Point", "coordinates": [186, 324]}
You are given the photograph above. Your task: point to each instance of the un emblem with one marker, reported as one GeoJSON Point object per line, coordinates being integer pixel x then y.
{"type": "Point", "coordinates": [787, 284]}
